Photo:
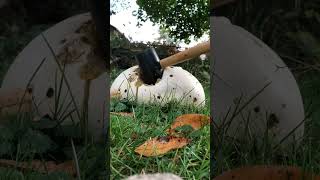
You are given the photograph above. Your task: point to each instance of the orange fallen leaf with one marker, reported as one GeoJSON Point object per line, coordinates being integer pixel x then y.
{"type": "Point", "coordinates": [267, 173]}
{"type": "Point", "coordinates": [196, 121]}
{"type": "Point", "coordinates": [126, 114]}
{"type": "Point", "coordinates": [161, 145]}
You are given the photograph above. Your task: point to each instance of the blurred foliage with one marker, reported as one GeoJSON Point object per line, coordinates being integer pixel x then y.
{"type": "Point", "coordinates": [42, 12]}
{"type": "Point", "coordinates": [23, 139]}
{"type": "Point", "coordinates": [22, 20]}
{"type": "Point", "coordinates": [179, 20]}
{"type": "Point", "coordinates": [182, 19]}
{"type": "Point", "coordinates": [118, 5]}
{"type": "Point", "coordinates": [117, 38]}
{"type": "Point", "coordinates": [165, 37]}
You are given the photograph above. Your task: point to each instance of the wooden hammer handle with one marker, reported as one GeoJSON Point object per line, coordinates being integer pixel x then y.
{"type": "Point", "coordinates": [185, 55]}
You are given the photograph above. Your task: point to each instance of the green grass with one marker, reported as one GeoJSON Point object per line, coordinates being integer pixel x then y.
{"type": "Point", "coordinates": [191, 162]}
{"type": "Point", "coordinates": [310, 89]}
{"type": "Point", "coordinates": [126, 133]}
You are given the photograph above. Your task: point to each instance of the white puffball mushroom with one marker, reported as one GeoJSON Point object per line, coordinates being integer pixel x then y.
{"type": "Point", "coordinates": [48, 77]}
{"type": "Point", "coordinates": [175, 84]}
{"type": "Point", "coordinates": [243, 65]}
{"type": "Point", "coordinates": [157, 176]}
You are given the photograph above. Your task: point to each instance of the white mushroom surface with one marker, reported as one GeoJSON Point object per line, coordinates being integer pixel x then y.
{"type": "Point", "coordinates": [45, 81]}
{"type": "Point", "coordinates": [175, 84]}
{"type": "Point", "coordinates": [157, 176]}
{"type": "Point", "coordinates": [242, 66]}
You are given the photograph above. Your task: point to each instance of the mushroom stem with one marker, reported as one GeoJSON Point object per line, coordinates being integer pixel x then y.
{"type": "Point", "coordinates": [137, 89]}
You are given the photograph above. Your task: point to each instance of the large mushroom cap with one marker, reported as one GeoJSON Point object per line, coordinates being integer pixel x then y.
{"type": "Point", "coordinates": [243, 66]}
{"type": "Point", "coordinates": [175, 84]}
{"type": "Point", "coordinates": [63, 37]}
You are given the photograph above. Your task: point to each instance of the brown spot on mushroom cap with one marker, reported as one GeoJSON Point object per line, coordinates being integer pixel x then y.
{"type": "Point", "coordinates": [30, 90]}
{"type": "Point", "coordinates": [50, 92]}
{"type": "Point", "coordinates": [132, 78]}
{"type": "Point", "coordinates": [194, 99]}
{"type": "Point", "coordinates": [138, 83]}
{"type": "Point", "coordinates": [63, 41]}
{"type": "Point", "coordinates": [85, 39]}
{"type": "Point", "coordinates": [272, 121]}
{"type": "Point", "coordinates": [136, 71]}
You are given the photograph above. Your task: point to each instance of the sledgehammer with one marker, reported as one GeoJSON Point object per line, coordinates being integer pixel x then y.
{"type": "Point", "coordinates": [151, 68]}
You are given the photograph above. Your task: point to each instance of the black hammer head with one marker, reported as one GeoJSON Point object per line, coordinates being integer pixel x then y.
{"type": "Point", "coordinates": [149, 64]}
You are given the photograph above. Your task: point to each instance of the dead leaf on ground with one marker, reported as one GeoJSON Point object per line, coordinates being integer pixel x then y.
{"type": "Point", "coordinates": [13, 100]}
{"type": "Point", "coordinates": [42, 167]}
{"type": "Point", "coordinates": [115, 94]}
{"type": "Point", "coordinates": [196, 121]}
{"type": "Point", "coordinates": [161, 145]}
{"type": "Point", "coordinates": [267, 173]}
{"type": "Point", "coordinates": [125, 114]}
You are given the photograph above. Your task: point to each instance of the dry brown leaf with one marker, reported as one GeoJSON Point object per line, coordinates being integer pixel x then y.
{"type": "Point", "coordinates": [14, 97]}
{"type": "Point", "coordinates": [73, 50]}
{"type": "Point", "coordinates": [161, 145]}
{"type": "Point", "coordinates": [266, 173]}
{"type": "Point", "coordinates": [42, 167]}
{"type": "Point", "coordinates": [196, 121]}
{"type": "Point", "coordinates": [125, 114]}
{"type": "Point", "coordinates": [78, 45]}
{"type": "Point", "coordinates": [11, 101]}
